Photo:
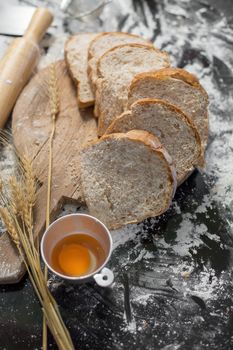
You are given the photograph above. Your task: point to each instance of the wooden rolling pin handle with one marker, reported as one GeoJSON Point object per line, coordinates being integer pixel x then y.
{"type": "Point", "coordinates": [19, 61]}
{"type": "Point", "coordinates": [38, 25]}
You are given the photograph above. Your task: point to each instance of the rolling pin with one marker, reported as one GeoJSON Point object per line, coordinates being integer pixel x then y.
{"type": "Point", "coordinates": [20, 60]}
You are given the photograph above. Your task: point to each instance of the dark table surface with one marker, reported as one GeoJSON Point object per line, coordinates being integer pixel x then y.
{"type": "Point", "coordinates": [173, 274]}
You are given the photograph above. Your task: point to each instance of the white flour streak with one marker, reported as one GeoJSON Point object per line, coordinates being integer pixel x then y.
{"type": "Point", "coordinates": [188, 237]}
{"type": "Point", "coordinates": [123, 235]}
{"type": "Point", "coordinates": [208, 46]}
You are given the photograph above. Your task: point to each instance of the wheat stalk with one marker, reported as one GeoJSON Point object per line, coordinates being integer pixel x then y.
{"type": "Point", "coordinates": [4, 214]}
{"type": "Point", "coordinates": [54, 110]}
{"type": "Point", "coordinates": [53, 92]}
{"type": "Point", "coordinates": [12, 212]}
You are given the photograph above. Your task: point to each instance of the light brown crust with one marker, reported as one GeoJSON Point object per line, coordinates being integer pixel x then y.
{"type": "Point", "coordinates": [152, 48]}
{"type": "Point", "coordinates": [184, 116]}
{"type": "Point", "coordinates": [101, 118]}
{"type": "Point", "coordinates": [97, 109]}
{"type": "Point", "coordinates": [173, 108]}
{"type": "Point", "coordinates": [170, 72]}
{"type": "Point", "coordinates": [66, 49]}
{"type": "Point", "coordinates": [149, 46]}
{"type": "Point", "coordinates": [90, 53]}
{"type": "Point", "coordinates": [119, 118]}
{"type": "Point", "coordinates": [179, 74]}
{"type": "Point", "coordinates": [70, 70]}
{"type": "Point", "coordinates": [91, 56]}
{"type": "Point", "coordinates": [154, 145]}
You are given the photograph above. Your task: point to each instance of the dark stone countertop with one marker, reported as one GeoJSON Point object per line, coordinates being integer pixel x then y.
{"type": "Point", "coordinates": [173, 287]}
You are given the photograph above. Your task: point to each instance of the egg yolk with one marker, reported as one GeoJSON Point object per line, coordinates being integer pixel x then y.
{"type": "Point", "coordinates": [74, 259]}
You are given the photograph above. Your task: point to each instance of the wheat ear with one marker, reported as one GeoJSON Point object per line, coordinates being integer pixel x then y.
{"type": "Point", "coordinates": [13, 216]}
{"type": "Point", "coordinates": [54, 110]}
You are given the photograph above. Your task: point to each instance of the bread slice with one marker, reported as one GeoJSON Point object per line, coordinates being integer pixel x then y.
{"type": "Point", "coordinates": [174, 129]}
{"type": "Point", "coordinates": [76, 52]}
{"type": "Point", "coordinates": [177, 87]}
{"type": "Point", "coordinates": [127, 177]}
{"type": "Point", "coordinates": [104, 42]}
{"type": "Point", "coordinates": [115, 69]}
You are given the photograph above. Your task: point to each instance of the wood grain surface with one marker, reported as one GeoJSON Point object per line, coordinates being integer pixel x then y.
{"type": "Point", "coordinates": [31, 127]}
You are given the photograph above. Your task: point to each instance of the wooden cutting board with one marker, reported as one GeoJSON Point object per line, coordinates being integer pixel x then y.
{"type": "Point", "coordinates": [31, 126]}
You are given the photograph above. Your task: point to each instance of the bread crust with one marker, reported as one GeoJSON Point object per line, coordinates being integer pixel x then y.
{"type": "Point", "coordinates": [90, 53]}
{"type": "Point", "coordinates": [187, 118]}
{"type": "Point", "coordinates": [66, 49]}
{"type": "Point", "coordinates": [100, 79]}
{"type": "Point", "coordinates": [171, 72]}
{"type": "Point", "coordinates": [150, 47]}
{"type": "Point", "coordinates": [147, 101]}
{"type": "Point", "coordinates": [68, 42]}
{"type": "Point", "coordinates": [91, 56]}
{"type": "Point", "coordinates": [154, 145]}
{"type": "Point", "coordinates": [179, 74]}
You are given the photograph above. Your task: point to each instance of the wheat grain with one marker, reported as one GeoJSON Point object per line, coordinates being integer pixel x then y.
{"type": "Point", "coordinates": [15, 196]}
{"type": "Point", "coordinates": [30, 191]}
{"type": "Point", "coordinates": [30, 180]}
{"type": "Point", "coordinates": [4, 214]}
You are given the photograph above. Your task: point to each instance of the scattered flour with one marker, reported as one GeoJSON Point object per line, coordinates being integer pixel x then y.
{"type": "Point", "coordinates": [208, 47]}
{"type": "Point", "coordinates": [205, 38]}
{"type": "Point", "coordinates": [188, 237]}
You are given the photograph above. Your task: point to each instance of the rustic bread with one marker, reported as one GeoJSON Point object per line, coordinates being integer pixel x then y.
{"type": "Point", "coordinates": [115, 70]}
{"type": "Point", "coordinates": [173, 128]}
{"type": "Point", "coordinates": [76, 51]}
{"type": "Point", "coordinates": [127, 177]}
{"type": "Point", "coordinates": [104, 42]}
{"type": "Point", "coordinates": [179, 88]}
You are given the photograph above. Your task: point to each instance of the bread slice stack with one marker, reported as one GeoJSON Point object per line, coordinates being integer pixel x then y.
{"type": "Point", "coordinates": [82, 52]}
{"type": "Point", "coordinates": [164, 120]}
{"type": "Point", "coordinates": [152, 125]}
{"type": "Point", "coordinates": [177, 87]}
{"type": "Point", "coordinates": [104, 42]}
{"type": "Point", "coordinates": [115, 70]}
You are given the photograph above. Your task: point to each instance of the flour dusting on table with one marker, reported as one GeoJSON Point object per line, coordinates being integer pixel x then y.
{"type": "Point", "coordinates": [178, 266]}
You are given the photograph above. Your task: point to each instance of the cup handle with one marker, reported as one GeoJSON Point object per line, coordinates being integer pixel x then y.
{"type": "Point", "coordinates": [105, 278]}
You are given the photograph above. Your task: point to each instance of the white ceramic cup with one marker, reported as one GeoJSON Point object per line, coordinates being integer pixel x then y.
{"type": "Point", "coordinates": [85, 224]}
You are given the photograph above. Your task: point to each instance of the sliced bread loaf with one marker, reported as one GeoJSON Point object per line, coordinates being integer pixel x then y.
{"type": "Point", "coordinates": [178, 87]}
{"type": "Point", "coordinates": [104, 42]}
{"type": "Point", "coordinates": [76, 52]}
{"type": "Point", "coordinates": [174, 129]}
{"type": "Point", "coordinates": [127, 177]}
{"type": "Point", "coordinates": [115, 70]}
